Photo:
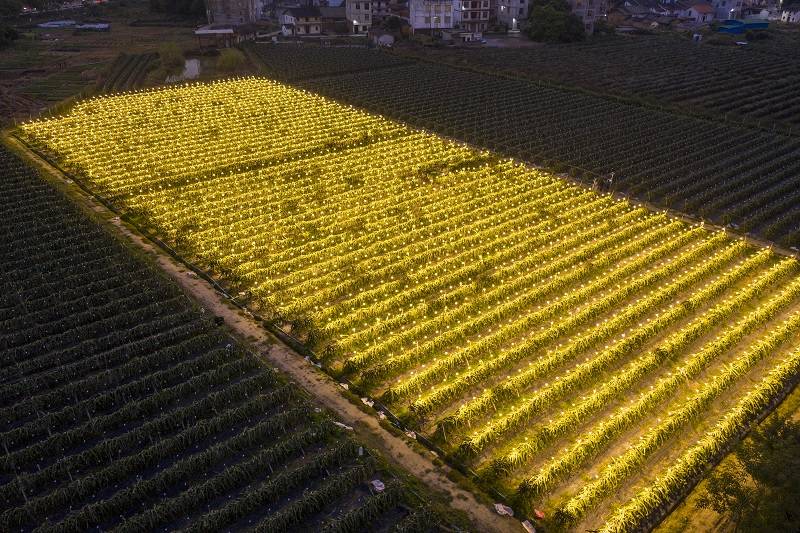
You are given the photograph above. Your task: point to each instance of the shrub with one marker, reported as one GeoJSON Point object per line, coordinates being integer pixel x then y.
{"type": "Point", "coordinates": [171, 56]}
{"type": "Point", "coordinates": [552, 21]}
{"type": "Point", "coordinates": [230, 60]}
{"type": "Point", "coordinates": [7, 35]}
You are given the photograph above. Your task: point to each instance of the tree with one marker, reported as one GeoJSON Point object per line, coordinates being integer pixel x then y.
{"type": "Point", "coordinates": [728, 493]}
{"type": "Point", "coordinates": [393, 24]}
{"type": "Point", "coordinates": [552, 21]}
{"type": "Point", "coordinates": [171, 56]}
{"type": "Point", "coordinates": [758, 489]}
{"type": "Point", "coordinates": [10, 8]}
{"type": "Point", "coordinates": [558, 5]}
{"type": "Point", "coordinates": [602, 26]}
{"type": "Point", "coordinates": [7, 35]}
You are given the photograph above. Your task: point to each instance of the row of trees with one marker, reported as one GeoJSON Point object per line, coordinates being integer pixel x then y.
{"type": "Point", "coordinates": [749, 179]}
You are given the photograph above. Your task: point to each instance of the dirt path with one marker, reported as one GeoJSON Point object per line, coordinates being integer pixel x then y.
{"type": "Point", "coordinates": [366, 427]}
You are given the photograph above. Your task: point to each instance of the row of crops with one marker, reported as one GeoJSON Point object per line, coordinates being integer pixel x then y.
{"type": "Point", "coordinates": [57, 86]}
{"type": "Point", "coordinates": [125, 407]}
{"type": "Point", "coordinates": [740, 84]}
{"type": "Point", "coordinates": [727, 174]}
{"type": "Point", "coordinates": [127, 72]}
{"type": "Point", "coordinates": [291, 61]}
{"type": "Point", "coordinates": [583, 354]}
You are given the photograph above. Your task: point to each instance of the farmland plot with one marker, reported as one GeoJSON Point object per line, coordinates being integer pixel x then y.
{"type": "Point", "coordinates": [752, 84]}
{"type": "Point", "coordinates": [300, 61]}
{"type": "Point", "coordinates": [125, 407]}
{"type": "Point", "coordinates": [728, 174]}
{"type": "Point", "coordinates": [584, 354]}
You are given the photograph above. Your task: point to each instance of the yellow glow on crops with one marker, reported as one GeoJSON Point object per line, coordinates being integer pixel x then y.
{"type": "Point", "coordinates": [524, 317]}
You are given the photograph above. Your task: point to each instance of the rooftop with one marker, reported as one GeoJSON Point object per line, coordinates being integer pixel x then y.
{"type": "Point", "coordinates": [703, 8]}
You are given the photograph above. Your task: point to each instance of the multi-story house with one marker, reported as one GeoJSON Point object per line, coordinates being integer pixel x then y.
{"type": "Point", "coordinates": [363, 14]}
{"type": "Point", "coordinates": [475, 15]}
{"type": "Point", "coordinates": [589, 11]}
{"type": "Point", "coordinates": [512, 12]}
{"type": "Point", "coordinates": [301, 21]}
{"type": "Point", "coordinates": [231, 12]}
{"type": "Point", "coordinates": [727, 9]}
{"type": "Point", "coordinates": [434, 15]}
{"type": "Point", "coordinates": [359, 15]}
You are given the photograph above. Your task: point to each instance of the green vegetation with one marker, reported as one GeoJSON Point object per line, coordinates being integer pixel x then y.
{"type": "Point", "coordinates": [189, 8]}
{"type": "Point", "coordinates": [126, 406]}
{"type": "Point", "coordinates": [171, 56]}
{"type": "Point", "coordinates": [552, 21]}
{"type": "Point", "coordinates": [10, 8]}
{"type": "Point", "coordinates": [571, 379]}
{"type": "Point", "coordinates": [60, 85]}
{"type": "Point", "coordinates": [734, 485]}
{"type": "Point", "coordinates": [230, 60]}
{"type": "Point", "coordinates": [49, 67]}
{"type": "Point", "coordinates": [754, 84]}
{"type": "Point", "coordinates": [127, 72]}
{"type": "Point", "coordinates": [298, 62]}
{"type": "Point", "coordinates": [729, 174]}
{"type": "Point", "coordinates": [758, 489]}
{"type": "Point", "coordinates": [7, 35]}
{"type": "Point", "coordinates": [559, 341]}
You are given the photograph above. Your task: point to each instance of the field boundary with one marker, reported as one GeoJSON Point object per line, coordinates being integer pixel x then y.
{"type": "Point", "coordinates": [295, 346]}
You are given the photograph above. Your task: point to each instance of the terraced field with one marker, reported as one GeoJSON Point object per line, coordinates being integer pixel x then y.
{"type": "Point", "coordinates": [126, 407]}
{"type": "Point", "coordinates": [586, 355]}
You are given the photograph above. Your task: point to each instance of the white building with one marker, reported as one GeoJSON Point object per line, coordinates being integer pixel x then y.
{"type": "Point", "coordinates": [363, 14]}
{"type": "Point", "coordinates": [359, 15]}
{"type": "Point", "coordinates": [434, 15]}
{"type": "Point", "coordinates": [701, 12]}
{"type": "Point", "coordinates": [300, 21]}
{"type": "Point", "coordinates": [512, 12]}
{"type": "Point", "coordinates": [791, 15]}
{"type": "Point", "coordinates": [380, 10]}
